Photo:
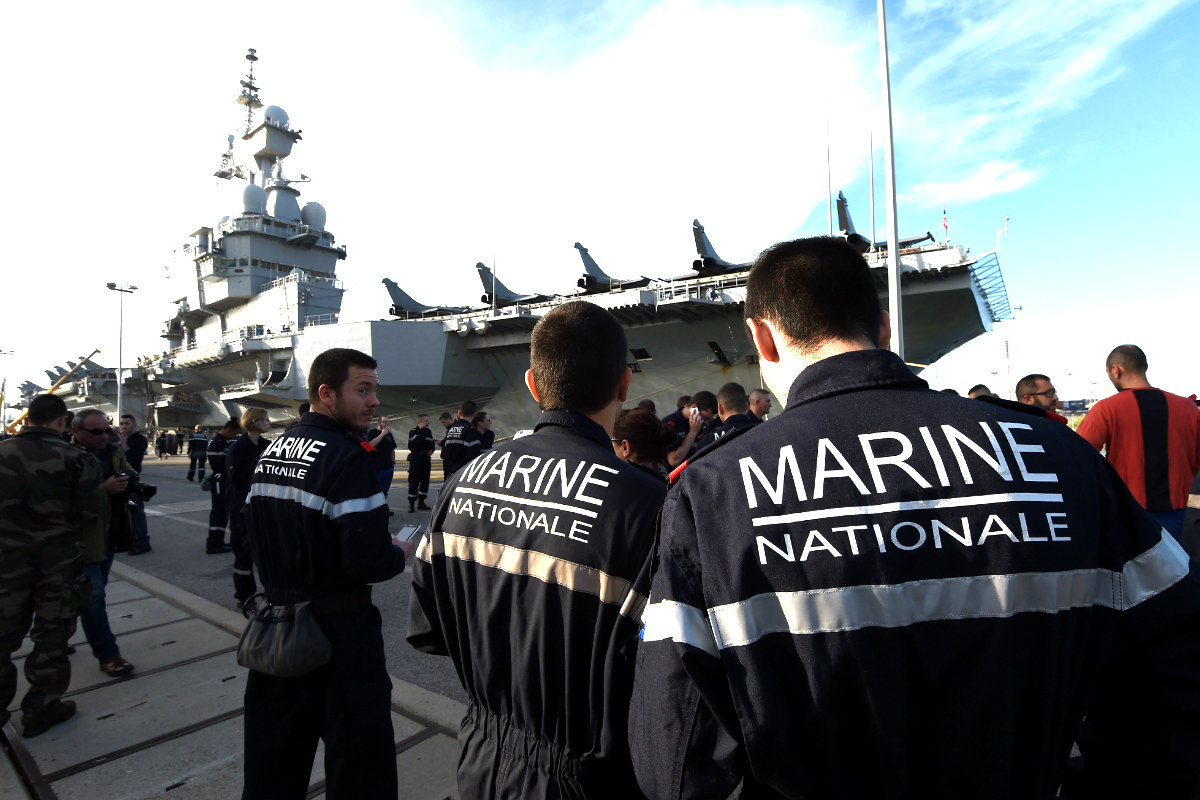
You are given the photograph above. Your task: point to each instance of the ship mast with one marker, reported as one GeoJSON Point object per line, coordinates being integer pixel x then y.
{"type": "Point", "coordinates": [249, 95]}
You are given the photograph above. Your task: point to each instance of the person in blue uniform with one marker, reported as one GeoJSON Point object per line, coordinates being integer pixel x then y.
{"type": "Point", "coordinates": [197, 452]}
{"type": "Point", "coordinates": [420, 452]}
{"type": "Point", "coordinates": [893, 592]}
{"type": "Point", "coordinates": [461, 442]}
{"type": "Point", "coordinates": [533, 575]}
{"type": "Point", "coordinates": [318, 528]}
{"type": "Point", "coordinates": [240, 459]}
{"type": "Point", "coordinates": [218, 514]}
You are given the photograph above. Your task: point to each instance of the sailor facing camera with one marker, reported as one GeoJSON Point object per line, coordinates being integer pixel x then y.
{"type": "Point", "coordinates": [534, 574]}
{"type": "Point", "coordinates": [893, 592]}
{"type": "Point", "coordinates": [318, 527]}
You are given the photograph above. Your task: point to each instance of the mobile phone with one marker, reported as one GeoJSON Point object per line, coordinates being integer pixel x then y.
{"type": "Point", "coordinates": [408, 532]}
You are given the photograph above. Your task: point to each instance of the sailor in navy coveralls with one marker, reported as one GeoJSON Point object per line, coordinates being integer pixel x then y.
{"type": "Point", "coordinates": [889, 592]}
{"type": "Point", "coordinates": [533, 577]}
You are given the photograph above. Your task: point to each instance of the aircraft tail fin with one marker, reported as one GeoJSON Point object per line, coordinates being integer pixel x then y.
{"type": "Point", "coordinates": [401, 300]}
{"type": "Point", "coordinates": [492, 285]}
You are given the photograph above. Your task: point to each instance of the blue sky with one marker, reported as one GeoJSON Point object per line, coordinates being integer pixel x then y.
{"type": "Point", "coordinates": [438, 135]}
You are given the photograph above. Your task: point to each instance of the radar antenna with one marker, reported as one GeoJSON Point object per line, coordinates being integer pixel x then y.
{"type": "Point", "coordinates": [249, 95]}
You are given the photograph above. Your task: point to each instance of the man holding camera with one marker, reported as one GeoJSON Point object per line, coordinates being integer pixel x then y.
{"type": "Point", "coordinates": [100, 539]}
{"type": "Point", "coordinates": [136, 444]}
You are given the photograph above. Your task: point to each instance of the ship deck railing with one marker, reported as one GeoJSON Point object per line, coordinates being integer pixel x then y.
{"type": "Point", "coordinates": [301, 276]}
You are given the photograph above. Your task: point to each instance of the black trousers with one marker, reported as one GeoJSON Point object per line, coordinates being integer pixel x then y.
{"type": "Point", "coordinates": [195, 461]}
{"type": "Point", "coordinates": [244, 586]}
{"type": "Point", "coordinates": [346, 703]}
{"type": "Point", "coordinates": [418, 478]}
{"type": "Point", "coordinates": [218, 518]}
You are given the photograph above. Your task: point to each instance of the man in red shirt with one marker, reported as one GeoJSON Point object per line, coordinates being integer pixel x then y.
{"type": "Point", "coordinates": [1152, 436]}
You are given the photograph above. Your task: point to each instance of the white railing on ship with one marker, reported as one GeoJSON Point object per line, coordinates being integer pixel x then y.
{"type": "Point", "coordinates": [245, 386]}
{"type": "Point", "coordinates": [298, 276]}
{"type": "Point", "coordinates": [321, 319]}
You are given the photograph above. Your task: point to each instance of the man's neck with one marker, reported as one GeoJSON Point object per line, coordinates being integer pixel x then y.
{"type": "Point", "coordinates": [1134, 382]}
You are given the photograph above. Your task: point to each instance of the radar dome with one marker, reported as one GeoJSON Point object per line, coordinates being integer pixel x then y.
{"type": "Point", "coordinates": [313, 215]}
{"type": "Point", "coordinates": [254, 200]}
{"type": "Point", "coordinates": [276, 117]}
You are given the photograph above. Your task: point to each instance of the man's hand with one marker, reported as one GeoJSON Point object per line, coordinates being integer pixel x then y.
{"type": "Point", "coordinates": [116, 484]}
{"type": "Point", "coordinates": [407, 545]}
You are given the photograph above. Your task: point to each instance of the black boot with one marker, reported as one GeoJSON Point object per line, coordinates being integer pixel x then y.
{"type": "Point", "coordinates": [411, 508]}
{"type": "Point", "coordinates": [421, 505]}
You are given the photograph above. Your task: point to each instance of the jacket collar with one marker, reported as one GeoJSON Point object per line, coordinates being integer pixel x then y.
{"type": "Point", "coordinates": [575, 423]}
{"type": "Point", "coordinates": [853, 371]}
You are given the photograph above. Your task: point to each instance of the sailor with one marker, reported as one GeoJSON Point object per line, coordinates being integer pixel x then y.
{"type": "Point", "coordinates": [893, 592]}
{"type": "Point", "coordinates": [760, 405]}
{"type": "Point", "coordinates": [241, 456]}
{"type": "Point", "coordinates": [420, 453]}
{"type": "Point", "coordinates": [532, 578]}
{"type": "Point", "coordinates": [218, 515]}
{"type": "Point", "coordinates": [733, 409]}
{"type": "Point", "coordinates": [459, 445]}
{"type": "Point", "coordinates": [318, 528]}
{"type": "Point", "coordinates": [197, 448]}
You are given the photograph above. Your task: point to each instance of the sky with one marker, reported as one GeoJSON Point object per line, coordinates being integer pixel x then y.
{"type": "Point", "coordinates": [441, 134]}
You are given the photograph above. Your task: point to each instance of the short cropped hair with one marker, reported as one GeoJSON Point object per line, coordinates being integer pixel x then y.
{"type": "Point", "coordinates": [332, 369]}
{"type": "Point", "coordinates": [446, 415]}
{"type": "Point", "coordinates": [683, 400]}
{"type": "Point", "coordinates": [80, 420]}
{"type": "Point", "coordinates": [131, 418]}
{"type": "Point", "coordinates": [978, 389]}
{"type": "Point", "coordinates": [251, 415]}
{"type": "Point", "coordinates": [1029, 384]}
{"type": "Point", "coordinates": [479, 417]}
{"type": "Point", "coordinates": [705, 401]}
{"type": "Point", "coordinates": [1130, 357]}
{"type": "Point", "coordinates": [577, 357]}
{"type": "Point", "coordinates": [45, 408]}
{"type": "Point", "coordinates": [733, 397]}
{"type": "Point", "coordinates": [814, 291]}
{"type": "Point", "coordinates": [231, 428]}
{"type": "Point", "coordinates": [467, 409]}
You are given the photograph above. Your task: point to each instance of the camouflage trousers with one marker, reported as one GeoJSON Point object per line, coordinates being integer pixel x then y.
{"type": "Point", "coordinates": [41, 584]}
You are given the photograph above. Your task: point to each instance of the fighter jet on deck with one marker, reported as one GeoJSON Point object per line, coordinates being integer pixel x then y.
{"type": "Point", "coordinates": [595, 280]}
{"type": "Point", "coordinates": [496, 293]}
{"type": "Point", "coordinates": [405, 306]}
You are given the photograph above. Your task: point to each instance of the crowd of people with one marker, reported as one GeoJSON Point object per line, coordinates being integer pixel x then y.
{"type": "Point", "coordinates": [878, 591]}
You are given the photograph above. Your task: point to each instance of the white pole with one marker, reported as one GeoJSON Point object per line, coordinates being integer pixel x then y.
{"type": "Point", "coordinates": [889, 167]}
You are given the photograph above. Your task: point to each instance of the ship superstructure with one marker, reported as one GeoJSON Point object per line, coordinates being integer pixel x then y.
{"type": "Point", "coordinates": [259, 298]}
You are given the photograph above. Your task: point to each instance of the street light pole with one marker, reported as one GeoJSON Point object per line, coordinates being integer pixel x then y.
{"type": "Point", "coordinates": [124, 290]}
{"type": "Point", "coordinates": [4, 399]}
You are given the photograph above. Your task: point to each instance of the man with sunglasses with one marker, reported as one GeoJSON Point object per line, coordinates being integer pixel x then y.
{"type": "Point", "coordinates": [91, 431]}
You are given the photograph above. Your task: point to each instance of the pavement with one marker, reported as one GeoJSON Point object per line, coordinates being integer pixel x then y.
{"type": "Point", "coordinates": [175, 724]}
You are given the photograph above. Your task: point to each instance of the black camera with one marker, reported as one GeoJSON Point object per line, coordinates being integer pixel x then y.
{"type": "Point", "coordinates": [135, 487]}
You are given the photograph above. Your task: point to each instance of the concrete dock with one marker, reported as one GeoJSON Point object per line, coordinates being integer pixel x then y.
{"type": "Point", "coordinates": [175, 724]}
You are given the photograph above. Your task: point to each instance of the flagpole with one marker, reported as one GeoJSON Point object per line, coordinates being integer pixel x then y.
{"type": "Point", "coordinates": [889, 185]}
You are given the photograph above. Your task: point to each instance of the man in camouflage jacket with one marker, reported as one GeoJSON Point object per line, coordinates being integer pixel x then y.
{"type": "Point", "coordinates": [49, 491]}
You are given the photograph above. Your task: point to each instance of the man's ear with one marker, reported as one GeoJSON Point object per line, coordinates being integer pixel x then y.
{"type": "Point", "coordinates": [327, 394]}
{"type": "Point", "coordinates": [623, 385]}
{"type": "Point", "coordinates": [764, 340]}
{"type": "Point", "coordinates": [529, 384]}
{"type": "Point", "coordinates": [885, 330]}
